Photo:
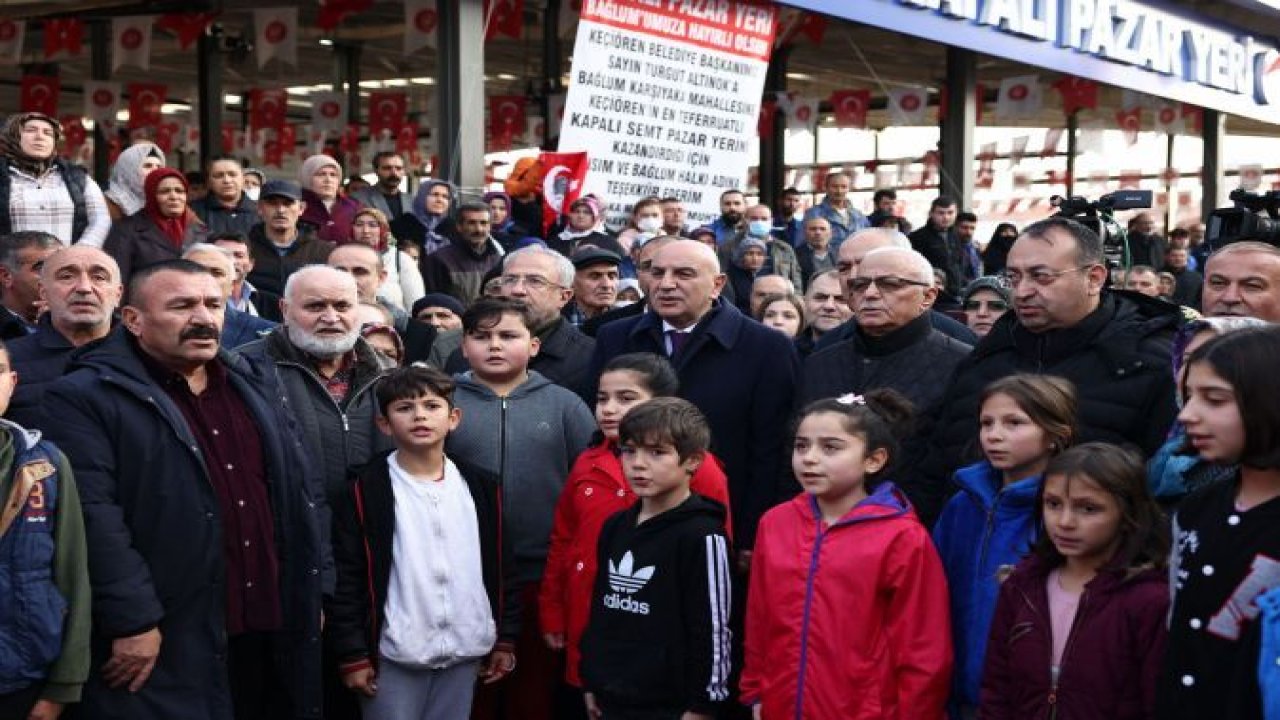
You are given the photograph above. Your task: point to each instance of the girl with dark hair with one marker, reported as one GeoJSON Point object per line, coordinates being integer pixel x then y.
{"type": "Point", "coordinates": [595, 490]}
{"type": "Point", "coordinates": [847, 605]}
{"type": "Point", "coordinates": [1226, 556]}
{"type": "Point", "coordinates": [1025, 420]}
{"type": "Point", "coordinates": [1091, 599]}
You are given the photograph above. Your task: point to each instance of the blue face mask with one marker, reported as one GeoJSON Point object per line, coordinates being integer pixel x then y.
{"type": "Point", "coordinates": [759, 228]}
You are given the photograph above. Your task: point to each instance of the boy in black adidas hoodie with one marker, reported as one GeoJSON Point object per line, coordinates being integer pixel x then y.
{"type": "Point", "coordinates": [657, 644]}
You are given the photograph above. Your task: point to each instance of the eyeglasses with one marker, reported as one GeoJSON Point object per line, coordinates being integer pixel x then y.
{"type": "Point", "coordinates": [533, 282]}
{"type": "Point", "coordinates": [886, 283]}
{"type": "Point", "coordinates": [1039, 276]}
{"type": "Point", "coordinates": [992, 305]}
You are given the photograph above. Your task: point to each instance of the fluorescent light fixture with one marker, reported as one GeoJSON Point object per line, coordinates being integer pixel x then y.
{"type": "Point", "coordinates": [326, 42]}
{"type": "Point", "coordinates": [799, 76]}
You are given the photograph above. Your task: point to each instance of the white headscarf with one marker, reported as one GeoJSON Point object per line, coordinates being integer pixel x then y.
{"type": "Point", "coordinates": [126, 186]}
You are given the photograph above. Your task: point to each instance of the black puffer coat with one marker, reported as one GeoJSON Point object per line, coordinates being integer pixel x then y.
{"type": "Point", "coordinates": [1118, 357]}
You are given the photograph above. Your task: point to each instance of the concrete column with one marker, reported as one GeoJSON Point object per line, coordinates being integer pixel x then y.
{"type": "Point", "coordinates": [209, 103]}
{"type": "Point", "coordinates": [1211, 175]}
{"type": "Point", "coordinates": [958, 127]}
{"type": "Point", "coordinates": [460, 98]}
{"type": "Point", "coordinates": [773, 167]}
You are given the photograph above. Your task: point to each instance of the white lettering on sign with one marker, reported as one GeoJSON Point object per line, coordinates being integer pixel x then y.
{"type": "Point", "coordinates": [1126, 32]}
{"type": "Point", "coordinates": [664, 98]}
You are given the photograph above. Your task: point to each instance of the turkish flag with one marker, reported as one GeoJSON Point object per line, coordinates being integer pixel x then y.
{"type": "Point", "coordinates": [764, 123]}
{"type": "Point", "coordinates": [1169, 119]}
{"type": "Point", "coordinates": [1130, 122]}
{"type": "Point", "coordinates": [75, 134]}
{"type": "Point", "coordinates": [131, 42]}
{"type": "Point", "coordinates": [39, 93]}
{"type": "Point", "coordinates": [802, 112]}
{"type": "Point", "coordinates": [267, 108]}
{"type": "Point", "coordinates": [503, 17]}
{"type": "Point", "coordinates": [166, 134]}
{"type": "Point", "coordinates": [332, 12]}
{"type": "Point", "coordinates": [1077, 93]}
{"type": "Point", "coordinates": [272, 154]}
{"type": "Point", "coordinates": [63, 35]}
{"type": "Point", "coordinates": [288, 135]}
{"type": "Point", "coordinates": [12, 33]}
{"type": "Point", "coordinates": [228, 139]}
{"type": "Point", "coordinates": [145, 100]}
{"type": "Point", "coordinates": [407, 138]}
{"type": "Point", "coordinates": [851, 107]}
{"type": "Point", "coordinates": [799, 22]}
{"type": "Point", "coordinates": [420, 22]}
{"type": "Point", "coordinates": [386, 112]}
{"type": "Point", "coordinates": [563, 175]}
{"type": "Point", "coordinates": [1019, 98]}
{"type": "Point", "coordinates": [350, 142]}
{"type": "Point", "coordinates": [907, 106]}
{"type": "Point", "coordinates": [188, 27]}
{"type": "Point", "coordinates": [506, 118]}
{"type": "Point", "coordinates": [1196, 114]}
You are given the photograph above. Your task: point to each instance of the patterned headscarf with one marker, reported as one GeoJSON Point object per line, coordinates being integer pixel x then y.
{"type": "Point", "coordinates": [11, 143]}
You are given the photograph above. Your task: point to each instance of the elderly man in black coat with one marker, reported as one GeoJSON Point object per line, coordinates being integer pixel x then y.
{"type": "Point", "coordinates": [740, 374]}
{"type": "Point", "coordinates": [206, 551]}
{"type": "Point", "coordinates": [1115, 347]}
{"type": "Point", "coordinates": [894, 345]}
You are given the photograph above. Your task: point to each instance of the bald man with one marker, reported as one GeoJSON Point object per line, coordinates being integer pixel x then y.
{"type": "Point", "coordinates": [848, 257]}
{"type": "Point", "coordinates": [741, 374]}
{"type": "Point", "coordinates": [80, 287]}
{"type": "Point", "coordinates": [238, 328]}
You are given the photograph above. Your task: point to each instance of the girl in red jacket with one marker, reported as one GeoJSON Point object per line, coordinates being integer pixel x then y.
{"type": "Point", "coordinates": [595, 490]}
{"type": "Point", "coordinates": [847, 605]}
{"type": "Point", "coordinates": [1079, 627]}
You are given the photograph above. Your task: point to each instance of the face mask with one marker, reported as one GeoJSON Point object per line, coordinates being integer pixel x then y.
{"type": "Point", "coordinates": [252, 193]}
{"type": "Point", "coordinates": [759, 228]}
{"type": "Point", "coordinates": [649, 224]}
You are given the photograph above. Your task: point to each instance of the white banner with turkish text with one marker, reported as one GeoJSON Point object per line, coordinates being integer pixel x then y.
{"type": "Point", "coordinates": [664, 98]}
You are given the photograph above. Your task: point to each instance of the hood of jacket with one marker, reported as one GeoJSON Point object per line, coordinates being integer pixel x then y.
{"type": "Point", "coordinates": [885, 501]}
{"type": "Point", "coordinates": [468, 382]}
{"type": "Point", "coordinates": [984, 483]}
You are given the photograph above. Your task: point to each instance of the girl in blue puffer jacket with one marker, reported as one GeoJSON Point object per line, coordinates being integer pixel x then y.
{"type": "Point", "coordinates": [1025, 420]}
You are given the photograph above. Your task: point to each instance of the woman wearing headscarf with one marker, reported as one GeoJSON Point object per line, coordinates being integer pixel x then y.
{"type": "Point", "coordinates": [994, 254]}
{"type": "Point", "coordinates": [584, 226]}
{"type": "Point", "coordinates": [160, 230]}
{"type": "Point", "coordinates": [429, 223]}
{"type": "Point", "coordinates": [41, 191]}
{"type": "Point", "coordinates": [328, 214]}
{"type": "Point", "coordinates": [502, 226]}
{"type": "Point", "coordinates": [403, 285]}
{"type": "Point", "coordinates": [124, 193]}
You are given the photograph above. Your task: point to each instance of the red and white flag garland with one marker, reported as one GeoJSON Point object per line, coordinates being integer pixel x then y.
{"type": "Point", "coordinates": [276, 35]}
{"type": "Point", "coordinates": [907, 106]}
{"type": "Point", "coordinates": [101, 101]}
{"type": "Point", "coordinates": [1019, 98]}
{"type": "Point", "coordinates": [851, 107]}
{"type": "Point", "coordinates": [39, 93]}
{"type": "Point", "coordinates": [131, 42]}
{"type": "Point", "coordinates": [12, 33]}
{"type": "Point", "coordinates": [420, 23]}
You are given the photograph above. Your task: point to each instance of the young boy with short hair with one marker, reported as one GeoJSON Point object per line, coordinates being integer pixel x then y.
{"type": "Point", "coordinates": [657, 644]}
{"type": "Point", "coordinates": [528, 431]}
{"type": "Point", "coordinates": [421, 599]}
{"type": "Point", "coordinates": [45, 595]}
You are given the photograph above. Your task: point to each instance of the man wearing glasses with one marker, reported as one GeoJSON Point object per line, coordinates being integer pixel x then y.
{"type": "Point", "coordinates": [1114, 345]}
{"type": "Point", "coordinates": [893, 344]}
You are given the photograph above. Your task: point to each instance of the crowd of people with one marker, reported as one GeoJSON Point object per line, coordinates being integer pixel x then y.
{"type": "Point", "coordinates": [294, 449]}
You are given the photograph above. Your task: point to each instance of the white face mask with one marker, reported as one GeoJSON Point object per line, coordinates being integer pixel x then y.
{"type": "Point", "coordinates": [649, 224]}
{"type": "Point", "coordinates": [252, 193]}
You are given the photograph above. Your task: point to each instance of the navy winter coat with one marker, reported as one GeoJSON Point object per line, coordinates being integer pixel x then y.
{"type": "Point", "coordinates": [742, 376]}
{"type": "Point", "coordinates": [155, 537]}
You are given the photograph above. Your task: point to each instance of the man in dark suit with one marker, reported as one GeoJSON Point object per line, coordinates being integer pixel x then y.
{"type": "Point", "coordinates": [741, 374]}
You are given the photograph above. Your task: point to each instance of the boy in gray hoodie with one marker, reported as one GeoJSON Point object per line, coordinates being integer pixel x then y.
{"type": "Point", "coordinates": [528, 431]}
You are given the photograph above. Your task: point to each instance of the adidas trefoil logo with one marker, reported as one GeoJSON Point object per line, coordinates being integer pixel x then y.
{"type": "Point", "coordinates": [625, 580]}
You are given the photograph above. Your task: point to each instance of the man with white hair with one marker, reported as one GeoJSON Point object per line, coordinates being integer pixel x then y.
{"type": "Point", "coordinates": [328, 371]}
{"type": "Point", "coordinates": [893, 345]}
{"type": "Point", "coordinates": [238, 327]}
{"type": "Point", "coordinates": [851, 253]}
